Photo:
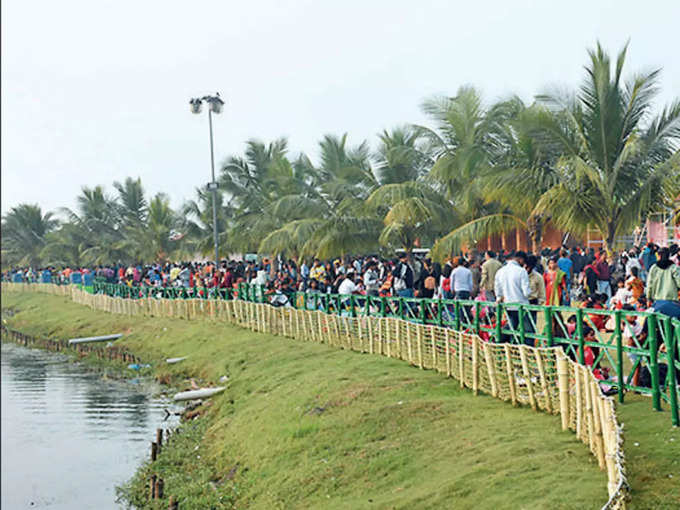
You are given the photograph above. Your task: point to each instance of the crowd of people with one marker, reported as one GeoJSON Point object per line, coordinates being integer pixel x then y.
{"type": "Point", "coordinates": [640, 279]}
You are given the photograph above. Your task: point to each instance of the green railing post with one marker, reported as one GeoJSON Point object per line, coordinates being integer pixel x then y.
{"type": "Point", "coordinates": [653, 362]}
{"type": "Point", "coordinates": [499, 320]}
{"type": "Point", "coordinates": [547, 313]}
{"type": "Point", "coordinates": [619, 353]}
{"type": "Point", "coordinates": [520, 318]}
{"type": "Point", "coordinates": [422, 311]}
{"type": "Point", "coordinates": [579, 334]}
{"type": "Point", "coordinates": [383, 306]}
{"type": "Point", "coordinates": [478, 307]}
{"type": "Point", "coordinates": [401, 308]}
{"type": "Point", "coordinates": [457, 312]}
{"type": "Point", "coordinates": [671, 346]}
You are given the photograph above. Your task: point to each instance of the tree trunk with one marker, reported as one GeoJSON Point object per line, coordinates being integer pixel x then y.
{"type": "Point", "coordinates": [611, 236]}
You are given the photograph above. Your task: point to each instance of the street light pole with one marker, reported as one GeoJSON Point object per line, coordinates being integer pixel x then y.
{"type": "Point", "coordinates": [215, 106]}
{"type": "Point", "coordinates": [214, 193]}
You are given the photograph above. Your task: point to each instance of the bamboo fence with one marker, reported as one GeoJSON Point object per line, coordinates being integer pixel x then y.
{"type": "Point", "coordinates": [543, 378]}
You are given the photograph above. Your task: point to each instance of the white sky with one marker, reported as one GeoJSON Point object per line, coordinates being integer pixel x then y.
{"type": "Point", "coordinates": [94, 91]}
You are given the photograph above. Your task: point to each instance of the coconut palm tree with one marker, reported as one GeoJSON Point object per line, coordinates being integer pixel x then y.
{"type": "Point", "coordinates": [413, 212]}
{"type": "Point", "coordinates": [160, 228]}
{"type": "Point", "coordinates": [24, 231]}
{"type": "Point", "coordinates": [467, 140]}
{"type": "Point", "coordinates": [132, 205]}
{"type": "Point", "coordinates": [520, 173]}
{"type": "Point", "coordinates": [617, 164]}
{"type": "Point", "coordinates": [470, 143]}
{"type": "Point", "coordinates": [324, 214]}
{"type": "Point", "coordinates": [65, 246]}
{"type": "Point", "coordinates": [197, 224]}
{"type": "Point", "coordinates": [98, 216]}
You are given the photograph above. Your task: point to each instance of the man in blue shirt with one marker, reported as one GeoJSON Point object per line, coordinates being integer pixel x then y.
{"type": "Point", "coordinates": [565, 264]}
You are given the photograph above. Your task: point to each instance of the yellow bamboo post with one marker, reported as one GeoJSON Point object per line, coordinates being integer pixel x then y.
{"type": "Point", "coordinates": [388, 348]}
{"type": "Point", "coordinates": [544, 381]}
{"type": "Point", "coordinates": [597, 423]}
{"type": "Point", "coordinates": [589, 409]}
{"type": "Point", "coordinates": [367, 325]}
{"type": "Point", "coordinates": [448, 351]}
{"type": "Point", "coordinates": [320, 317]}
{"type": "Point", "coordinates": [527, 375]}
{"type": "Point", "coordinates": [491, 368]}
{"type": "Point", "coordinates": [434, 348]}
{"type": "Point", "coordinates": [381, 334]}
{"type": "Point", "coordinates": [419, 337]}
{"type": "Point", "coordinates": [398, 325]}
{"type": "Point", "coordinates": [297, 324]}
{"type": "Point", "coordinates": [408, 342]}
{"type": "Point", "coordinates": [609, 444]}
{"type": "Point", "coordinates": [475, 366]}
{"type": "Point", "coordinates": [579, 408]}
{"type": "Point", "coordinates": [563, 382]}
{"type": "Point", "coordinates": [336, 328]}
{"type": "Point", "coordinates": [461, 358]}
{"type": "Point", "coordinates": [360, 327]}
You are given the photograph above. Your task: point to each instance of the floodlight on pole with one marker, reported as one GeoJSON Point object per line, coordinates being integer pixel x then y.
{"type": "Point", "coordinates": [215, 106]}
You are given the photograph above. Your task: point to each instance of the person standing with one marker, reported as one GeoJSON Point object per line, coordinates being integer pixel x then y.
{"type": "Point", "coordinates": [555, 284]}
{"type": "Point", "coordinates": [567, 266]}
{"type": "Point", "coordinates": [371, 280]}
{"type": "Point", "coordinates": [461, 279]}
{"type": "Point", "coordinates": [536, 282]}
{"type": "Point", "coordinates": [602, 268]}
{"type": "Point", "coordinates": [511, 286]}
{"type": "Point", "coordinates": [663, 283]}
{"type": "Point", "coordinates": [403, 277]}
{"type": "Point", "coordinates": [489, 269]}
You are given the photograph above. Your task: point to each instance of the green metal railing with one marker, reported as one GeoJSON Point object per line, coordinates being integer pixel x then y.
{"type": "Point", "coordinates": [622, 355]}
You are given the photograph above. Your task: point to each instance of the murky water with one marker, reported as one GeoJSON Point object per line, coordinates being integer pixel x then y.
{"type": "Point", "coordinates": [69, 436]}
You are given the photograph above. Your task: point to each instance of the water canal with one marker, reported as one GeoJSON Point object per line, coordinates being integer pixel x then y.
{"type": "Point", "coordinates": [69, 436]}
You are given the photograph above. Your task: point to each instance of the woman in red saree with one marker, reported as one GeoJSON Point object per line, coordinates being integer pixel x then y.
{"type": "Point", "coordinates": [555, 283]}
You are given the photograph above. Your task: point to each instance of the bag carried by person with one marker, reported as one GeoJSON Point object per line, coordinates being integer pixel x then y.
{"type": "Point", "coordinates": [429, 283]}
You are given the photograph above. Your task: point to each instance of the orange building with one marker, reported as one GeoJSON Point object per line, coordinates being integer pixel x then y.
{"type": "Point", "coordinates": [519, 240]}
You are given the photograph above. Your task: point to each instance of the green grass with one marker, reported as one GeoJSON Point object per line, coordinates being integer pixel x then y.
{"type": "Point", "coordinates": [310, 426]}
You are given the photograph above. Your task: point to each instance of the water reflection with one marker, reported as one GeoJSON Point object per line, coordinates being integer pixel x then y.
{"type": "Point", "coordinates": [68, 436]}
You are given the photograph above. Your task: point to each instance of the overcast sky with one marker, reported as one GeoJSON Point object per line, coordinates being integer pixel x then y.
{"type": "Point", "coordinates": [94, 91]}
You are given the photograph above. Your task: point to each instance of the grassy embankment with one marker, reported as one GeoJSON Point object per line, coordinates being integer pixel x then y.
{"type": "Point", "coordinates": [303, 425]}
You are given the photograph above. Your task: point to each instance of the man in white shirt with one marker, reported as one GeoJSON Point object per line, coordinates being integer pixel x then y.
{"type": "Point", "coordinates": [511, 283]}
{"type": "Point", "coordinates": [347, 285]}
{"type": "Point", "coordinates": [511, 286]}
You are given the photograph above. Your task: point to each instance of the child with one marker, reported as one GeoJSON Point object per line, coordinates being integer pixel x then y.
{"type": "Point", "coordinates": [596, 303]}
{"type": "Point", "coordinates": [622, 297]}
{"type": "Point", "coordinates": [635, 285]}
